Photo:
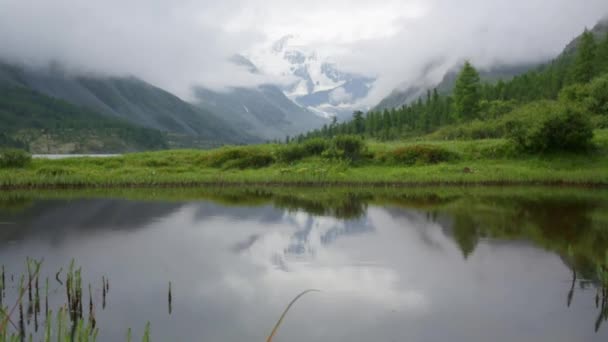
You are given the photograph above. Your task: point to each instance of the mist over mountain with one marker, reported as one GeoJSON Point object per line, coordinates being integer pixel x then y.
{"type": "Point", "coordinates": [210, 73]}
{"type": "Point", "coordinates": [411, 90]}
{"type": "Point", "coordinates": [314, 81]}
{"type": "Point", "coordinates": [263, 111]}
{"type": "Point", "coordinates": [128, 99]}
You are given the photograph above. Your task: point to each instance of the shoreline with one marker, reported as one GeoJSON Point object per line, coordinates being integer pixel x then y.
{"type": "Point", "coordinates": [310, 184]}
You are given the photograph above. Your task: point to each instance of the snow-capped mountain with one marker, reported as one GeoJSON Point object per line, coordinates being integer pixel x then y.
{"type": "Point", "coordinates": [313, 81]}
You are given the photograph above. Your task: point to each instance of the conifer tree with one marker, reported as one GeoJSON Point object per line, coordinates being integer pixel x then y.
{"type": "Point", "coordinates": [467, 93]}
{"type": "Point", "coordinates": [583, 69]}
{"type": "Point", "coordinates": [602, 55]}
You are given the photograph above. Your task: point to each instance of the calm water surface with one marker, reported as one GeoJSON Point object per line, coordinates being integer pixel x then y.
{"type": "Point", "coordinates": [463, 269]}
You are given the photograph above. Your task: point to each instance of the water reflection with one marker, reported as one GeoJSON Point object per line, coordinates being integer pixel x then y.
{"type": "Point", "coordinates": [392, 265]}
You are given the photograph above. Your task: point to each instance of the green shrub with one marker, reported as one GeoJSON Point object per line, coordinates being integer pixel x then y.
{"type": "Point", "coordinates": [13, 158]}
{"type": "Point", "coordinates": [549, 126]}
{"type": "Point", "coordinates": [54, 171]}
{"type": "Point", "coordinates": [417, 154]}
{"type": "Point", "coordinates": [346, 147]}
{"type": "Point", "coordinates": [598, 91]}
{"type": "Point", "coordinates": [239, 158]}
{"type": "Point", "coordinates": [254, 160]}
{"type": "Point", "coordinates": [592, 97]}
{"type": "Point", "coordinates": [473, 130]}
{"type": "Point", "coordinates": [294, 152]}
{"type": "Point", "coordinates": [316, 146]}
{"type": "Point", "coordinates": [220, 157]}
{"type": "Point", "coordinates": [291, 153]}
{"type": "Point", "coordinates": [599, 121]}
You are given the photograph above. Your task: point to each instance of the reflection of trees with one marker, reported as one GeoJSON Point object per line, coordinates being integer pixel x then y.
{"type": "Point", "coordinates": [465, 233]}
{"type": "Point", "coordinates": [14, 204]}
{"type": "Point", "coordinates": [345, 206]}
{"type": "Point", "coordinates": [566, 227]}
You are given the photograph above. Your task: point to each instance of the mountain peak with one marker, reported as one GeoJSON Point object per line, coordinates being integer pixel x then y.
{"type": "Point", "coordinates": [280, 45]}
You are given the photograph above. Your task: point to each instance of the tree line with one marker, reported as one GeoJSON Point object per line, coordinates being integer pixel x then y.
{"type": "Point", "coordinates": [472, 99]}
{"type": "Point", "coordinates": [23, 109]}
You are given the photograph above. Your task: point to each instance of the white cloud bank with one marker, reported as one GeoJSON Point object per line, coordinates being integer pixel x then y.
{"type": "Point", "coordinates": [177, 44]}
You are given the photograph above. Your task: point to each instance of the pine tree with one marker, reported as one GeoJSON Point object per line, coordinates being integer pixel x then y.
{"type": "Point", "coordinates": [602, 55]}
{"type": "Point", "coordinates": [583, 69]}
{"type": "Point", "coordinates": [467, 93]}
{"type": "Point", "coordinates": [359, 122]}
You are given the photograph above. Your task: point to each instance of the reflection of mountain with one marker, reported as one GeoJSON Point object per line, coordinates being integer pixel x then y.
{"type": "Point", "coordinates": [265, 214]}
{"type": "Point", "coordinates": [316, 232]}
{"type": "Point", "coordinates": [61, 218]}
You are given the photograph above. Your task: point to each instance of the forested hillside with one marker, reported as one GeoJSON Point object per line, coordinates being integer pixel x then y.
{"type": "Point", "coordinates": [43, 124]}
{"type": "Point", "coordinates": [578, 78]}
{"type": "Point", "coordinates": [131, 100]}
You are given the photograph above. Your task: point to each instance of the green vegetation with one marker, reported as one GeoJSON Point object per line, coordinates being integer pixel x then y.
{"type": "Point", "coordinates": [541, 127]}
{"type": "Point", "coordinates": [546, 126]}
{"type": "Point", "coordinates": [477, 110]}
{"type": "Point", "coordinates": [40, 123]}
{"type": "Point", "coordinates": [340, 160]}
{"type": "Point", "coordinates": [31, 316]}
{"type": "Point", "coordinates": [13, 158]}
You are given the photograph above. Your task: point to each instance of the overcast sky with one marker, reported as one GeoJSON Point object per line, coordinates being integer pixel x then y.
{"type": "Point", "coordinates": [178, 43]}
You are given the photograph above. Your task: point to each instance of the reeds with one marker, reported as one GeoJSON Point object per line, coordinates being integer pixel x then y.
{"type": "Point", "coordinates": [284, 314]}
{"type": "Point", "coordinates": [68, 324]}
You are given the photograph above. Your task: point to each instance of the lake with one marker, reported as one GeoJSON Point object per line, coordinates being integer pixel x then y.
{"type": "Point", "coordinates": [390, 265]}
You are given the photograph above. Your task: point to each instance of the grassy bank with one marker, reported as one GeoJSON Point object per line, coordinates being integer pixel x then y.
{"type": "Point", "coordinates": [414, 162]}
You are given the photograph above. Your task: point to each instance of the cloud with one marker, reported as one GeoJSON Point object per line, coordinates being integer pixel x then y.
{"type": "Point", "coordinates": [485, 32]}
{"type": "Point", "coordinates": [177, 44]}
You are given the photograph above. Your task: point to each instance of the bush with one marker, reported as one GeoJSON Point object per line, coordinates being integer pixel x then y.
{"type": "Point", "coordinates": [239, 158]}
{"type": "Point", "coordinates": [473, 130]}
{"type": "Point", "coordinates": [12, 158]}
{"type": "Point", "coordinates": [255, 160]}
{"type": "Point", "coordinates": [550, 127]}
{"type": "Point", "coordinates": [316, 147]}
{"type": "Point", "coordinates": [346, 147]}
{"type": "Point", "coordinates": [294, 152]}
{"type": "Point", "coordinates": [592, 97]}
{"type": "Point", "coordinates": [417, 154]}
{"type": "Point", "coordinates": [291, 153]}
{"type": "Point", "coordinates": [220, 157]}
{"type": "Point", "coordinates": [54, 171]}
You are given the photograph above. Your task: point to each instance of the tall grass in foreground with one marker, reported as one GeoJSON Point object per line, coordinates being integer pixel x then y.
{"type": "Point", "coordinates": [25, 320]}
{"type": "Point", "coordinates": [284, 314]}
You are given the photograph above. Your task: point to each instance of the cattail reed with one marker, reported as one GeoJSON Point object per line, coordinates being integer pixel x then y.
{"type": "Point", "coordinates": [21, 322]}
{"type": "Point", "coordinates": [37, 297]}
{"type": "Point", "coordinates": [46, 299]}
{"type": "Point", "coordinates": [47, 326]}
{"type": "Point", "coordinates": [103, 292]}
{"type": "Point", "coordinates": [92, 320]}
{"type": "Point", "coordinates": [2, 283]}
{"type": "Point", "coordinates": [29, 279]}
{"type": "Point", "coordinates": [146, 337]}
{"type": "Point", "coordinates": [57, 276]}
{"type": "Point", "coordinates": [170, 300]}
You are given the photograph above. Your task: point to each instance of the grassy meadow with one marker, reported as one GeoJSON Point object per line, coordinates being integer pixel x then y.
{"type": "Point", "coordinates": [346, 160]}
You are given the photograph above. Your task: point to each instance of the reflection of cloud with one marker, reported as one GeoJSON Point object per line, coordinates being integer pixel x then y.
{"type": "Point", "coordinates": [290, 260]}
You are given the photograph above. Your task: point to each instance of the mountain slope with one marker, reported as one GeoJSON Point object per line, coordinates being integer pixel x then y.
{"type": "Point", "coordinates": [43, 124]}
{"type": "Point", "coordinates": [263, 111]}
{"type": "Point", "coordinates": [317, 83]}
{"type": "Point", "coordinates": [130, 99]}
{"type": "Point", "coordinates": [401, 97]}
